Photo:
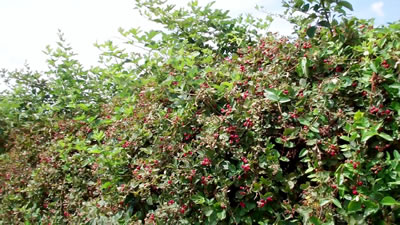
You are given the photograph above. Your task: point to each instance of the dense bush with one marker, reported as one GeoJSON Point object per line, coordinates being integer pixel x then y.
{"type": "Point", "coordinates": [214, 121]}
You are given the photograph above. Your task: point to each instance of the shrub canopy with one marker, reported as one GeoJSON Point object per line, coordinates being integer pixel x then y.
{"type": "Point", "coordinates": [213, 121]}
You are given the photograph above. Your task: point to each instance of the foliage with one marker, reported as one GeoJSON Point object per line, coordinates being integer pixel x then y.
{"type": "Point", "coordinates": [211, 123]}
{"type": "Point", "coordinates": [322, 13]}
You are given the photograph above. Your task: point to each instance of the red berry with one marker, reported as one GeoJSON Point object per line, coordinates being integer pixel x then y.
{"type": "Point", "coordinates": [355, 192]}
{"type": "Point", "coordinates": [339, 69]}
{"type": "Point", "coordinates": [359, 183]}
{"type": "Point", "coordinates": [246, 167]}
{"type": "Point", "coordinates": [206, 162]}
{"type": "Point", "coordinates": [333, 186]}
{"type": "Point", "coordinates": [242, 204]}
{"type": "Point", "coordinates": [261, 203]}
{"type": "Point", "coordinates": [183, 208]}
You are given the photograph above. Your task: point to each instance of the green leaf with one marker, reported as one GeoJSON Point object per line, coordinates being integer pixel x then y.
{"type": "Point", "coordinates": [95, 150]}
{"type": "Point", "coordinates": [148, 151]}
{"type": "Point", "coordinates": [149, 201]}
{"type": "Point", "coordinates": [373, 67]}
{"type": "Point", "coordinates": [385, 136]}
{"type": "Point", "coordinates": [83, 107]}
{"type": "Point", "coordinates": [370, 207]}
{"type": "Point", "coordinates": [396, 154]}
{"type": "Point", "coordinates": [323, 202]}
{"type": "Point", "coordinates": [389, 201]}
{"type": "Point", "coordinates": [354, 206]}
{"type": "Point", "coordinates": [324, 23]}
{"type": "Point", "coordinates": [396, 106]}
{"type": "Point", "coordinates": [337, 203]}
{"type": "Point", "coordinates": [106, 185]}
{"type": "Point", "coordinates": [271, 94]}
{"type": "Point", "coordinates": [358, 115]}
{"type": "Point", "coordinates": [208, 212]}
{"type": "Point", "coordinates": [314, 129]}
{"type": "Point", "coordinates": [346, 4]}
{"type": "Point", "coordinates": [305, 8]}
{"type": "Point", "coordinates": [311, 31]}
{"type": "Point", "coordinates": [82, 117]}
{"type": "Point", "coordinates": [221, 215]}
{"type": "Point", "coordinates": [314, 220]}
{"type": "Point", "coordinates": [303, 153]}
{"type": "Point", "coordinates": [346, 138]}
{"type": "Point", "coordinates": [395, 86]}
{"type": "Point", "coordinates": [198, 199]}
{"type": "Point", "coordinates": [288, 131]}
{"type": "Point", "coordinates": [304, 66]}
{"type": "Point", "coordinates": [367, 135]}
{"type": "Point", "coordinates": [284, 99]}
{"type": "Point", "coordinates": [257, 187]}
{"type": "Point", "coordinates": [304, 121]}
{"type": "Point", "coordinates": [284, 159]}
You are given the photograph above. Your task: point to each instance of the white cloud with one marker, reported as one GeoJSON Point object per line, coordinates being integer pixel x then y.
{"type": "Point", "coordinates": [377, 7]}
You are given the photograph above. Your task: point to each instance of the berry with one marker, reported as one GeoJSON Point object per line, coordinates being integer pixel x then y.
{"type": "Point", "coordinates": [339, 69]}
{"type": "Point", "coordinates": [183, 209]}
{"type": "Point", "coordinates": [206, 162]}
{"type": "Point", "coordinates": [355, 192]}
{"type": "Point", "coordinates": [246, 167]}
{"type": "Point", "coordinates": [307, 45]}
{"type": "Point", "coordinates": [261, 203]}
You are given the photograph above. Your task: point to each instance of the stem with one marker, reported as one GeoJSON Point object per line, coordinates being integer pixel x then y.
{"type": "Point", "coordinates": [325, 13]}
{"type": "Point", "coordinates": [279, 107]}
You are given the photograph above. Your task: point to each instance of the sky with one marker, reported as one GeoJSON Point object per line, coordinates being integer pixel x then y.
{"type": "Point", "coordinates": [27, 26]}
